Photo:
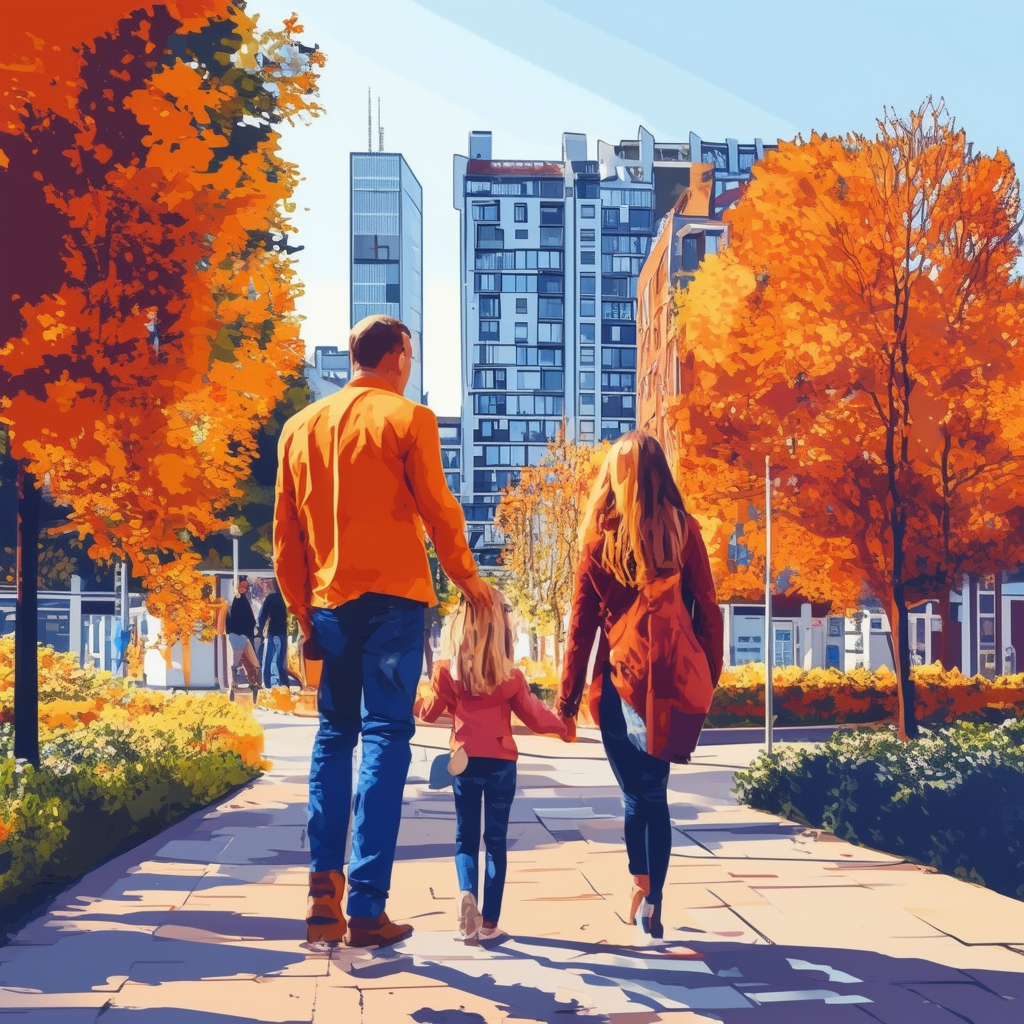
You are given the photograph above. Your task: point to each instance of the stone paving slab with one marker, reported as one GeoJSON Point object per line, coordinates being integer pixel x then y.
{"type": "Point", "coordinates": [764, 921]}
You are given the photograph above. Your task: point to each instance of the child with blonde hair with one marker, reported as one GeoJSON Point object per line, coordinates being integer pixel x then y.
{"type": "Point", "coordinates": [479, 686]}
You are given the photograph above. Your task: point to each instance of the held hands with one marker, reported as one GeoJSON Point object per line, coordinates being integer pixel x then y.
{"type": "Point", "coordinates": [570, 730]}
{"type": "Point", "coordinates": [476, 592]}
{"type": "Point", "coordinates": [311, 650]}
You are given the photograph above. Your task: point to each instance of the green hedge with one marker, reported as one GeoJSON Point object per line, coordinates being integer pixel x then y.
{"type": "Point", "coordinates": [953, 799]}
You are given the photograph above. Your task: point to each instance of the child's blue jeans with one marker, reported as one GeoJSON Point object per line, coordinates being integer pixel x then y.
{"type": "Point", "coordinates": [492, 781]}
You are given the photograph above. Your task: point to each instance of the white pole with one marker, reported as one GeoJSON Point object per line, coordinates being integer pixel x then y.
{"type": "Point", "coordinates": [125, 617]}
{"type": "Point", "coordinates": [234, 566]}
{"type": "Point", "coordinates": [768, 605]}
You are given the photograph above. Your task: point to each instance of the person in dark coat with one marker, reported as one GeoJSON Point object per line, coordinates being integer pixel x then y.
{"type": "Point", "coordinates": [636, 530]}
{"type": "Point", "coordinates": [273, 625]}
{"type": "Point", "coordinates": [241, 630]}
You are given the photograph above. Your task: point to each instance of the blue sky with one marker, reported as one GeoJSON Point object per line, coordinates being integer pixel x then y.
{"type": "Point", "coordinates": [529, 71]}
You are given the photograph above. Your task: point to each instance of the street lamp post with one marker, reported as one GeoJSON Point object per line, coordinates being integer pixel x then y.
{"type": "Point", "coordinates": [768, 605]}
{"type": "Point", "coordinates": [235, 532]}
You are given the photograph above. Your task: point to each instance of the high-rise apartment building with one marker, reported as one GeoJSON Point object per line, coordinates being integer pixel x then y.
{"type": "Point", "coordinates": [387, 248]}
{"type": "Point", "coordinates": [551, 255]}
{"type": "Point", "coordinates": [690, 228]}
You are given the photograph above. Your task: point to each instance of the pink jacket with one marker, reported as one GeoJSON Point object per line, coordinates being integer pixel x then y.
{"type": "Point", "coordinates": [483, 725]}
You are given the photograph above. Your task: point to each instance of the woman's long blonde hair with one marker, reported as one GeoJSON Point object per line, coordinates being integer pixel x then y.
{"type": "Point", "coordinates": [636, 507]}
{"type": "Point", "coordinates": [479, 646]}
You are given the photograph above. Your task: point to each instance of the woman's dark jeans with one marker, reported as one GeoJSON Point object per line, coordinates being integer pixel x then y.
{"type": "Point", "coordinates": [643, 780]}
{"type": "Point", "coordinates": [492, 781]}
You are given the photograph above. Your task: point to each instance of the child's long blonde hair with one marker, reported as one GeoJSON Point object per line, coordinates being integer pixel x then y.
{"type": "Point", "coordinates": [479, 646]}
{"type": "Point", "coordinates": [636, 506]}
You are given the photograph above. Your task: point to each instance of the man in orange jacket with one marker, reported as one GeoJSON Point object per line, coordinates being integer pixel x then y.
{"type": "Point", "coordinates": [359, 479]}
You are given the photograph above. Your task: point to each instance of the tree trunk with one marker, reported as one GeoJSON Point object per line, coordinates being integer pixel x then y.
{"type": "Point", "coordinates": [26, 623]}
{"type": "Point", "coordinates": [899, 623]}
{"type": "Point", "coordinates": [945, 609]}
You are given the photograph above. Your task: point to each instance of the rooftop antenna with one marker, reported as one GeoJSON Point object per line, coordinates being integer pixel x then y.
{"type": "Point", "coordinates": [380, 129]}
{"type": "Point", "coordinates": [369, 122]}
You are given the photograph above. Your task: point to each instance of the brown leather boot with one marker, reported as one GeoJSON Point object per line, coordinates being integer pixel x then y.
{"type": "Point", "coordinates": [374, 932]}
{"type": "Point", "coordinates": [641, 888]}
{"type": "Point", "coordinates": [324, 920]}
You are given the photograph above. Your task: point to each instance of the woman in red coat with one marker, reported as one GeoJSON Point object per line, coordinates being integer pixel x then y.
{"type": "Point", "coordinates": [635, 530]}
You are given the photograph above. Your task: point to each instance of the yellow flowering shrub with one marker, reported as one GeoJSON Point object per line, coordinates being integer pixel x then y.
{"type": "Point", "coordinates": [117, 763]}
{"type": "Point", "coordinates": [828, 697]}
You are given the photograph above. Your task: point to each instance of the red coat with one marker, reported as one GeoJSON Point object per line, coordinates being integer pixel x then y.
{"type": "Point", "coordinates": [599, 600]}
{"type": "Point", "coordinates": [483, 725]}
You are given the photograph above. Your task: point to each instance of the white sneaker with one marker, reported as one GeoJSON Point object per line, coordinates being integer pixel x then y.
{"type": "Point", "coordinates": [648, 921]}
{"type": "Point", "coordinates": [470, 918]}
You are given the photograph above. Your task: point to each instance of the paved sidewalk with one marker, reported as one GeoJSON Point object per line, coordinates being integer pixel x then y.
{"type": "Point", "coordinates": [765, 921]}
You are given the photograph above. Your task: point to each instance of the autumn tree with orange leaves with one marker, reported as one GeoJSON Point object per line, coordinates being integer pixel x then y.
{"type": "Point", "coordinates": [864, 329]}
{"type": "Point", "coordinates": [539, 518]}
{"type": "Point", "coordinates": [148, 326]}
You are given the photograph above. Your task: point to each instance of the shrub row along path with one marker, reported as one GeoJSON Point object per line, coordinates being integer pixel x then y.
{"type": "Point", "coordinates": [764, 921]}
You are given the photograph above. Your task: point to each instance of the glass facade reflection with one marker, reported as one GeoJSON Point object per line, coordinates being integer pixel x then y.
{"type": "Point", "coordinates": [387, 248]}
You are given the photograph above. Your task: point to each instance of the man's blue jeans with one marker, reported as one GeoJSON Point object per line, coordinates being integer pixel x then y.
{"type": "Point", "coordinates": [373, 653]}
{"type": "Point", "coordinates": [492, 780]}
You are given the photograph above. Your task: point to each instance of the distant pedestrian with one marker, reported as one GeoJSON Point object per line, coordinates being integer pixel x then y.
{"type": "Point", "coordinates": [359, 480]}
{"type": "Point", "coordinates": [273, 625]}
{"type": "Point", "coordinates": [643, 557]}
{"type": "Point", "coordinates": [479, 686]}
{"type": "Point", "coordinates": [241, 630]}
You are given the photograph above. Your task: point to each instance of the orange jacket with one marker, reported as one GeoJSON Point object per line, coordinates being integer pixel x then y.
{"type": "Point", "coordinates": [483, 725]}
{"type": "Point", "coordinates": [359, 477]}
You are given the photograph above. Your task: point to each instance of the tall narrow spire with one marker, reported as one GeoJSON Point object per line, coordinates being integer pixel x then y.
{"type": "Point", "coordinates": [380, 129]}
{"type": "Point", "coordinates": [369, 121]}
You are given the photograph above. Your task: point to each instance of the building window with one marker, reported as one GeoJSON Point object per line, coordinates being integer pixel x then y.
{"type": "Point", "coordinates": [588, 258]}
{"type": "Point", "coordinates": [549, 309]}
{"type": "Point", "coordinates": [588, 333]}
{"type": "Point", "coordinates": [489, 380]}
{"type": "Point", "coordinates": [522, 334]}
{"type": "Point", "coordinates": [485, 282]}
{"type": "Point", "coordinates": [588, 285]}
{"type": "Point", "coordinates": [522, 233]}
{"type": "Point", "coordinates": [552, 189]}
{"type": "Point", "coordinates": [550, 284]}
{"type": "Point", "coordinates": [588, 307]}
{"type": "Point", "coordinates": [490, 306]}
{"type": "Point", "coordinates": [520, 212]}
{"type": "Point", "coordinates": [520, 306]}
{"type": "Point", "coordinates": [618, 358]}
{"type": "Point", "coordinates": [485, 212]}
{"type": "Point", "coordinates": [550, 334]}
{"type": "Point", "coordinates": [551, 237]}
{"type": "Point", "coordinates": [587, 380]}
{"type": "Point", "coordinates": [587, 404]}
{"type": "Point", "coordinates": [489, 237]}
{"type": "Point", "coordinates": [617, 311]}
{"type": "Point", "coordinates": [489, 330]}
{"type": "Point", "coordinates": [586, 356]}
{"type": "Point", "coordinates": [610, 217]}
{"type": "Point", "coordinates": [587, 211]}
{"type": "Point", "coordinates": [528, 380]}
{"type": "Point", "coordinates": [551, 214]}
{"type": "Point", "coordinates": [639, 220]}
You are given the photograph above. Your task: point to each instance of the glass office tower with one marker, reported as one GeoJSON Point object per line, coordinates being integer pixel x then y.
{"type": "Point", "coordinates": [387, 248]}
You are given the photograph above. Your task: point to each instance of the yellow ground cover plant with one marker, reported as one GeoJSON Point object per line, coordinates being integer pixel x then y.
{"type": "Point", "coordinates": [117, 764]}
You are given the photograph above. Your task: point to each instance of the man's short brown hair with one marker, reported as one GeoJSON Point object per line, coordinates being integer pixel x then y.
{"type": "Point", "coordinates": [373, 338]}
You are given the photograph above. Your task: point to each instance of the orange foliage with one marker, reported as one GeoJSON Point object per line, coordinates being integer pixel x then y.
{"type": "Point", "coordinates": [150, 328]}
{"type": "Point", "coordinates": [863, 330]}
